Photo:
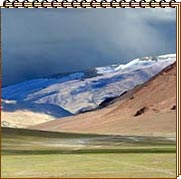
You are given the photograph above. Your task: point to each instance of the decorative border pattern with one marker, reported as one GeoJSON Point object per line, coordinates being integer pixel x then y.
{"type": "Point", "coordinates": [89, 4]}
{"type": "Point", "coordinates": [119, 4]}
{"type": "Point", "coordinates": [178, 124]}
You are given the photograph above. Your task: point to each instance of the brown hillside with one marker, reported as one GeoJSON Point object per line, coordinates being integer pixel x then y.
{"type": "Point", "coordinates": [149, 109]}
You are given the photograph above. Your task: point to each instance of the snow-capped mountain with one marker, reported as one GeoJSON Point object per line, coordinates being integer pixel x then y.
{"type": "Point", "coordinates": [77, 92]}
{"type": "Point", "coordinates": [136, 64]}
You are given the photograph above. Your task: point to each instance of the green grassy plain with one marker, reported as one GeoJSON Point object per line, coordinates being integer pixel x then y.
{"type": "Point", "coordinates": [29, 153]}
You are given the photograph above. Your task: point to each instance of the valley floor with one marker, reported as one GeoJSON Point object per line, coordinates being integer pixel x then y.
{"type": "Point", "coordinates": [31, 153]}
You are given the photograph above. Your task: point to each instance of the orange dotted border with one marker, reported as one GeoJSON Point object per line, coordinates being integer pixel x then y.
{"type": "Point", "coordinates": [89, 4]}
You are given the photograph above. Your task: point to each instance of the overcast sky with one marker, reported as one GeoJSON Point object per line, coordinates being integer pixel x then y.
{"type": "Point", "coordinates": [41, 42]}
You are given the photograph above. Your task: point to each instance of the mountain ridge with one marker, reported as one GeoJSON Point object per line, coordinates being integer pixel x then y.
{"type": "Point", "coordinates": [76, 93]}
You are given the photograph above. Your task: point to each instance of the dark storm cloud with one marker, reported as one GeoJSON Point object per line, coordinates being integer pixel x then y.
{"type": "Point", "coordinates": [41, 42]}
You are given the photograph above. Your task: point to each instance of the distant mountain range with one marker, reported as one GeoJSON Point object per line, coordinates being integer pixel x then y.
{"type": "Point", "coordinates": [45, 99]}
{"type": "Point", "coordinates": [148, 110]}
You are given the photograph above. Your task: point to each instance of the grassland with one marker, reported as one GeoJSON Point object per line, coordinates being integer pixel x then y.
{"type": "Point", "coordinates": [29, 153]}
